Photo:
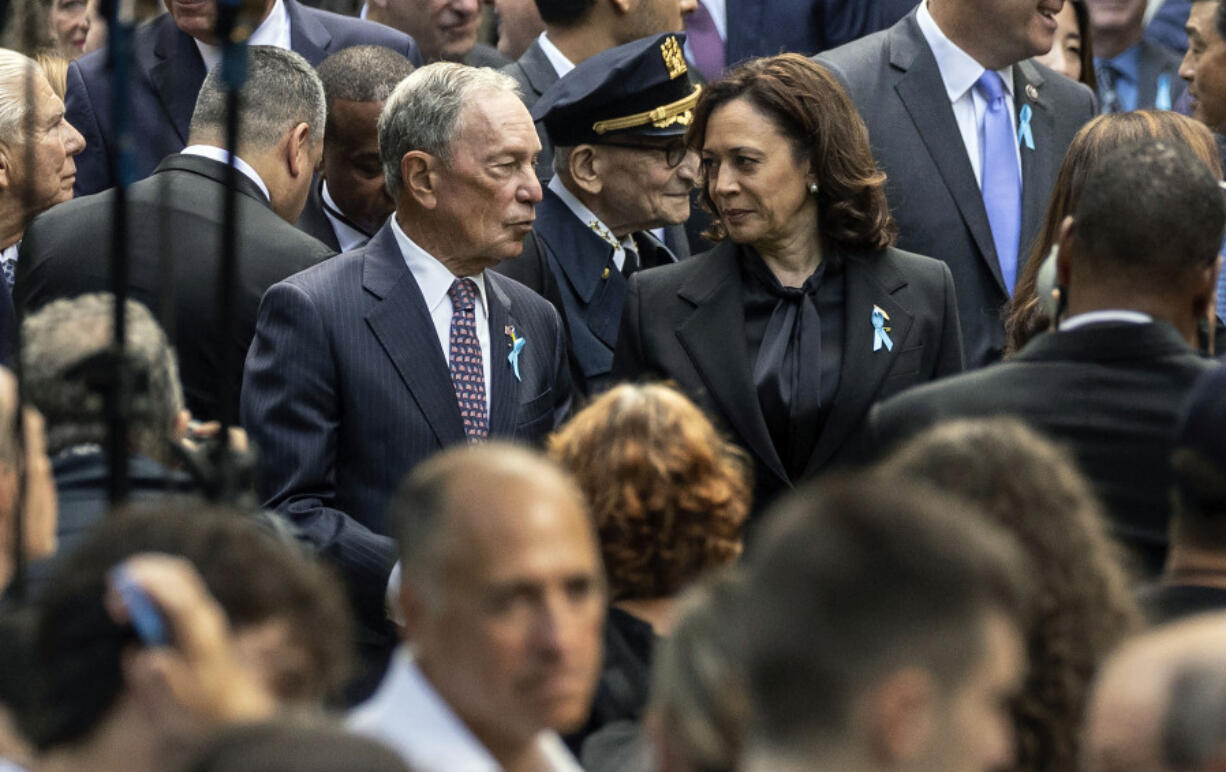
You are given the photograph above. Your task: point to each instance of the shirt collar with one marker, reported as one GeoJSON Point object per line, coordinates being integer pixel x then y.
{"type": "Point", "coordinates": [347, 236]}
{"type": "Point", "coordinates": [959, 70]}
{"type": "Point", "coordinates": [1116, 315]}
{"type": "Point", "coordinates": [561, 64]}
{"type": "Point", "coordinates": [433, 278]}
{"type": "Point", "coordinates": [221, 155]}
{"type": "Point", "coordinates": [273, 31]}
{"type": "Point", "coordinates": [589, 218]}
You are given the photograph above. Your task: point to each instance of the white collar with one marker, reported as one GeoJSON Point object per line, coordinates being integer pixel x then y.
{"type": "Point", "coordinates": [273, 31]}
{"type": "Point", "coordinates": [959, 70]}
{"type": "Point", "coordinates": [433, 278]}
{"type": "Point", "coordinates": [1107, 315]}
{"type": "Point", "coordinates": [589, 218]}
{"type": "Point", "coordinates": [221, 155]}
{"type": "Point", "coordinates": [561, 64]}
{"type": "Point", "coordinates": [347, 236]}
{"type": "Point", "coordinates": [412, 718]}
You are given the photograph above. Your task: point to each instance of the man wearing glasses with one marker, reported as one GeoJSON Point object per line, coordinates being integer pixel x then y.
{"type": "Point", "coordinates": [621, 168]}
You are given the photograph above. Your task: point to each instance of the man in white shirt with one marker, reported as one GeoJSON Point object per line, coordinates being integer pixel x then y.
{"type": "Point", "coordinates": [503, 599]}
{"type": "Point", "coordinates": [349, 200]}
{"type": "Point", "coordinates": [961, 69]}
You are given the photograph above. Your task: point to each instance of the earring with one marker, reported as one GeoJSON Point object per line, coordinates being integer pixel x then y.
{"type": "Point", "coordinates": [813, 188]}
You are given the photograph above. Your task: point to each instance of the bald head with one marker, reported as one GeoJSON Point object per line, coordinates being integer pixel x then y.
{"type": "Point", "coordinates": [1159, 703]}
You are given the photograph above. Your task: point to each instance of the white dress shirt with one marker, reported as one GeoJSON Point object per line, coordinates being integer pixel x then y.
{"type": "Point", "coordinates": [221, 155]}
{"type": "Point", "coordinates": [435, 279]}
{"type": "Point", "coordinates": [273, 31]}
{"type": "Point", "coordinates": [1106, 315]}
{"type": "Point", "coordinates": [589, 218]}
{"type": "Point", "coordinates": [411, 718]}
{"type": "Point", "coordinates": [561, 65]}
{"type": "Point", "coordinates": [346, 235]}
{"type": "Point", "coordinates": [959, 72]}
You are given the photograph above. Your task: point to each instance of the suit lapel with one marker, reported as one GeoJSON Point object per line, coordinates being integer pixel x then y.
{"type": "Point", "coordinates": [537, 70]}
{"type": "Point", "coordinates": [652, 252]}
{"type": "Point", "coordinates": [868, 283]}
{"type": "Point", "coordinates": [504, 399]}
{"type": "Point", "coordinates": [922, 92]}
{"type": "Point", "coordinates": [1038, 165]}
{"type": "Point", "coordinates": [307, 36]}
{"type": "Point", "coordinates": [405, 330]}
{"type": "Point", "coordinates": [177, 73]}
{"type": "Point", "coordinates": [714, 337]}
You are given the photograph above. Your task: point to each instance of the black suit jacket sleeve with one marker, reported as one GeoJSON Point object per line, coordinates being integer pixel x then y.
{"type": "Point", "coordinates": [289, 390]}
{"type": "Point", "coordinates": [950, 359]}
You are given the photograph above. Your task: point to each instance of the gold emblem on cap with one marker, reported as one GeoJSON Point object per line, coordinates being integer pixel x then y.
{"type": "Point", "coordinates": [674, 60]}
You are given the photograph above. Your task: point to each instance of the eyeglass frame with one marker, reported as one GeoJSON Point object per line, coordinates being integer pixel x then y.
{"type": "Point", "coordinates": [667, 150]}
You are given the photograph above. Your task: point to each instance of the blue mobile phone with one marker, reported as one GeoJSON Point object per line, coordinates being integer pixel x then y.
{"type": "Point", "coordinates": [147, 620]}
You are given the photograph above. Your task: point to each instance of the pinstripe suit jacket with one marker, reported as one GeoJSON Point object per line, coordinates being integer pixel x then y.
{"type": "Point", "coordinates": [346, 389]}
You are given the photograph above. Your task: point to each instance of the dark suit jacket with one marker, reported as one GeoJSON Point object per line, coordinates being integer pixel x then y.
{"type": "Point", "coordinates": [346, 389]}
{"type": "Point", "coordinates": [486, 56]}
{"type": "Point", "coordinates": [893, 78]}
{"type": "Point", "coordinates": [758, 28]}
{"type": "Point", "coordinates": [1111, 392]}
{"type": "Point", "coordinates": [570, 266]}
{"type": "Point", "coordinates": [686, 322]}
{"type": "Point", "coordinates": [314, 222]}
{"type": "Point", "coordinates": [176, 215]}
{"type": "Point", "coordinates": [167, 73]}
{"type": "Point", "coordinates": [840, 22]}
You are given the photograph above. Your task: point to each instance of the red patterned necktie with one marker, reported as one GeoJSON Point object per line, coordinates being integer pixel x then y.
{"type": "Point", "coordinates": [467, 370]}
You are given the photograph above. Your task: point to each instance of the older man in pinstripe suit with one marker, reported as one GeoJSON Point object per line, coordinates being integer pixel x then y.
{"type": "Point", "coordinates": [369, 362]}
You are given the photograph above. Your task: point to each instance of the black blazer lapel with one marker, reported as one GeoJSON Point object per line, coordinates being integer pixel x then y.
{"type": "Point", "coordinates": [306, 35]}
{"type": "Point", "coordinates": [714, 338]}
{"type": "Point", "coordinates": [1038, 165]}
{"type": "Point", "coordinates": [403, 327]}
{"type": "Point", "coordinates": [868, 283]}
{"type": "Point", "coordinates": [177, 74]}
{"type": "Point", "coordinates": [504, 399]}
{"type": "Point", "coordinates": [538, 71]}
{"type": "Point", "coordinates": [922, 92]}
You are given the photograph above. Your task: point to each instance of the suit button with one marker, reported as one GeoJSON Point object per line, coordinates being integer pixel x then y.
{"type": "Point", "coordinates": [604, 274]}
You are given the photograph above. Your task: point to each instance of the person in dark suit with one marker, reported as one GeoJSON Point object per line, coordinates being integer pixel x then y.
{"type": "Point", "coordinates": [171, 55]}
{"type": "Point", "coordinates": [446, 30]}
{"type": "Point", "coordinates": [368, 363]}
{"type": "Point", "coordinates": [804, 314]}
{"type": "Point", "coordinates": [349, 200]}
{"type": "Point", "coordinates": [923, 84]}
{"type": "Point", "coordinates": [727, 32]}
{"type": "Point", "coordinates": [1137, 265]}
{"type": "Point", "coordinates": [622, 169]}
{"type": "Point", "coordinates": [576, 30]}
{"type": "Point", "coordinates": [177, 214]}
{"type": "Point", "coordinates": [1133, 73]}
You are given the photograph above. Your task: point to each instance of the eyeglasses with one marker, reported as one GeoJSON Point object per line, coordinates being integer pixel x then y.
{"type": "Point", "coordinates": [674, 152]}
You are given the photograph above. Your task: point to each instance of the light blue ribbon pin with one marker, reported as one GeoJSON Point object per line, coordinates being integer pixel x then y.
{"type": "Point", "coordinates": [1162, 100]}
{"type": "Point", "coordinates": [517, 345]}
{"type": "Point", "coordinates": [880, 336]}
{"type": "Point", "coordinates": [1024, 133]}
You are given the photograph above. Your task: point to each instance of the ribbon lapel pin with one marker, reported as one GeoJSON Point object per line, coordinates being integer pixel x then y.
{"type": "Point", "coordinates": [517, 345]}
{"type": "Point", "coordinates": [881, 333]}
{"type": "Point", "coordinates": [1025, 135]}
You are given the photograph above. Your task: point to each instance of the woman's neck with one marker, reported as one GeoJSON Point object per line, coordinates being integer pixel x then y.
{"type": "Point", "coordinates": [793, 259]}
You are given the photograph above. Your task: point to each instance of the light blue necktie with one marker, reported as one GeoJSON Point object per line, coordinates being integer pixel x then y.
{"type": "Point", "coordinates": [1001, 179]}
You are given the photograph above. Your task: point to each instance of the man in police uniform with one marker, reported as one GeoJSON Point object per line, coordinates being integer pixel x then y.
{"type": "Point", "coordinates": [621, 168]}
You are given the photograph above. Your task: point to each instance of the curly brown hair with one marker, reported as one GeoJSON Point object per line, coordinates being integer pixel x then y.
{"type": "Point", "coordinates": [668, 495]}
{"type": "Point", "coordinates": [1024, 316]}
{"type": "Point", "coordinates": [1084, 609]}
{"type": "Point", "coordinates": [815, 113]}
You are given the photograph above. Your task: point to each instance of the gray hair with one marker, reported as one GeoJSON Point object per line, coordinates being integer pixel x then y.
{"type": "Point", "coordinates": [423, 113]}
{"type": "Point", "coordinates": [64, 334]}
{"type": "Point", "coordinates": [18, 73]}
{"type": "Point", "coordinates": [282, 91]}
{"type": "Point", "coordinates": [363, 74]}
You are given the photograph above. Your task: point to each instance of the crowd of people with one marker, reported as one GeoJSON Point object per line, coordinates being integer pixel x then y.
{"type": "Point", "coordinates": [643, 385]}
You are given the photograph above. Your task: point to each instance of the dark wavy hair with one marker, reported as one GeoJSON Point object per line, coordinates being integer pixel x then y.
{"type": "Point", "coordinates": [668, 495]}
{"type": "Point", "coordinates": [1024, 316]}
{"type": "Point", "coordinates": [1034, 490]}
{"type": "Point", "coordinates": [815, 113]}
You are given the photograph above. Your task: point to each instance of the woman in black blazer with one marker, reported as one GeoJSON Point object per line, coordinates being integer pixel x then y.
{"type": "Point", "coordinates": [803, 315]}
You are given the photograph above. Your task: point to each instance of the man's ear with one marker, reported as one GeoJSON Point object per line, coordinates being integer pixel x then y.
{"type": "Point", "coordinates": [419, 172]}
{"type": "Point", "coordinates": [1064, 259]}
{"type": "Point", "coordinates": [900, 714]}
{"type": "Point", "coordinates": [6, 167]}
{"type": "Point", "coordinates": [585, 165]}
{"type": "Point", "coordinates": [298, 151]}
